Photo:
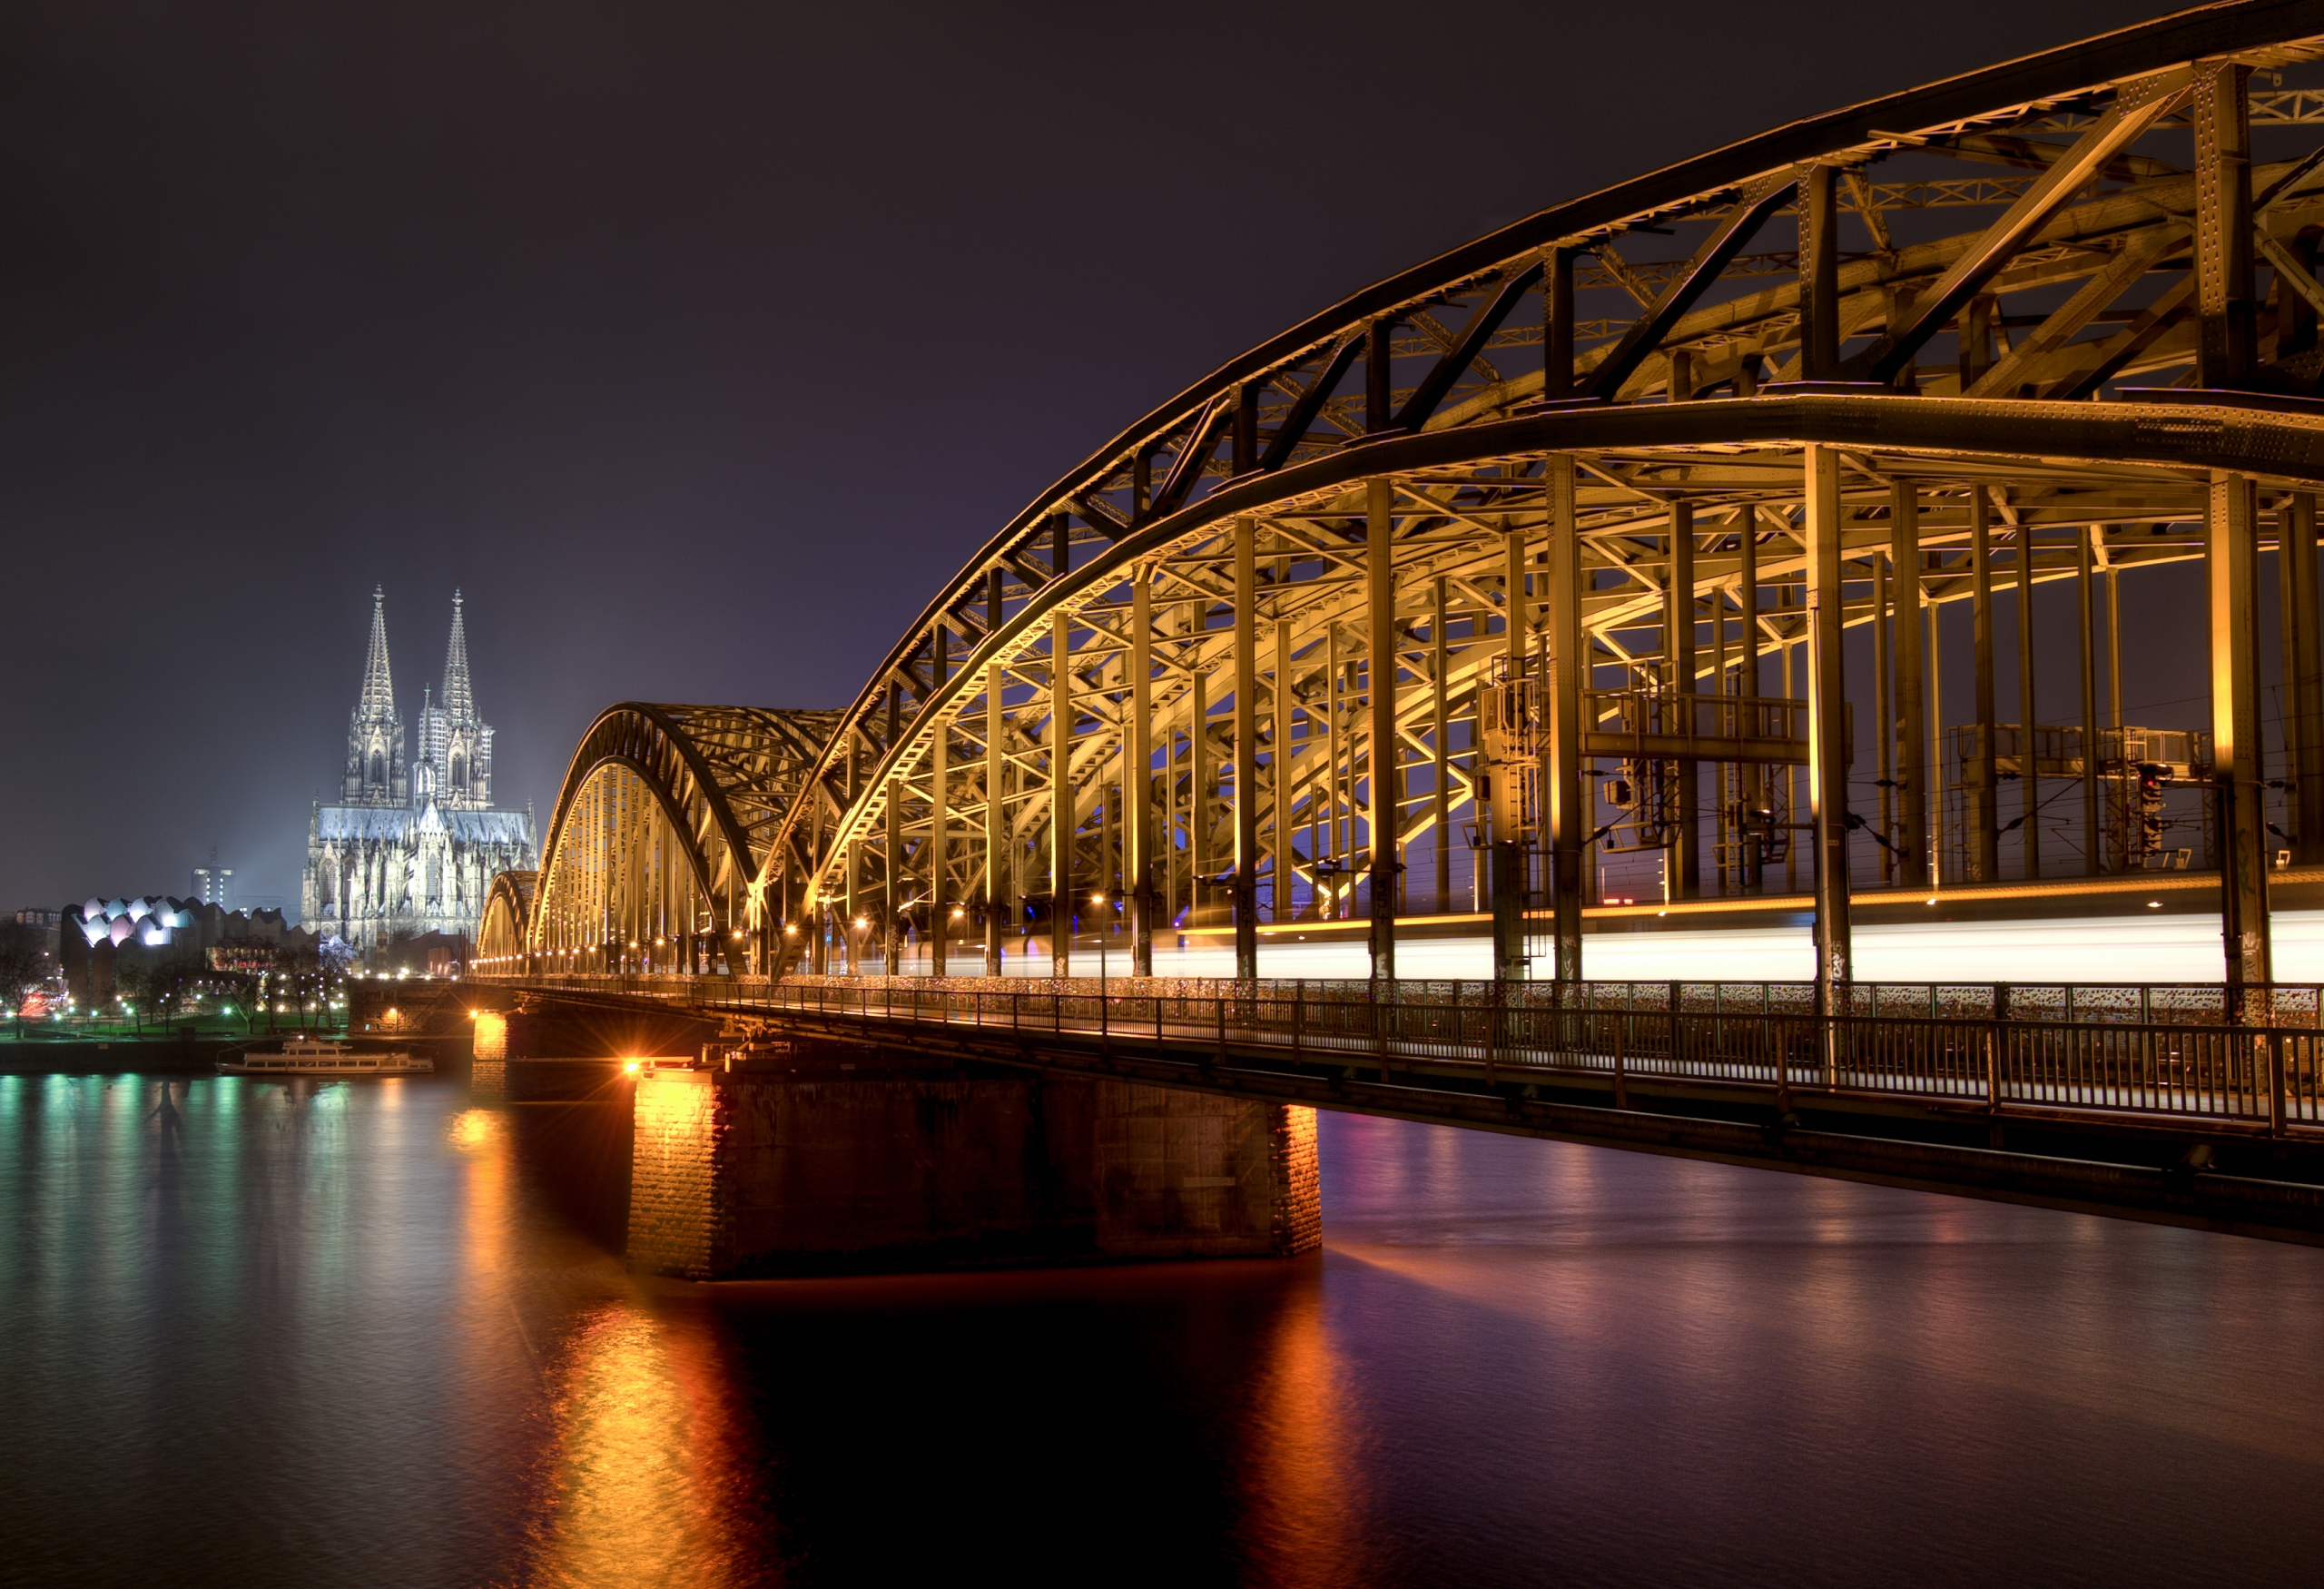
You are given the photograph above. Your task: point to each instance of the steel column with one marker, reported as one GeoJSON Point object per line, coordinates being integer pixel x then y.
{"type": "Point", "coordinates": [1281, 704]}
{"type": "Point", "coordinates": [1557, 325]}
{"type": "Point", "coordinates": [1679, 626]}
{"type": "Point", "coordinates": [1380, 678]}
{"type": "Point", "coordinates": [1440, 740]}
{"type": "Point", "coordinates": [1819, 305]}
{"type": "Point", "coordinates": [2303, 673]}
{"type": "Point", "coordinates": [2227, 312]}
{"type": "Point", "coordinates": [997, 896]}
{"type": "Point", "coordinates": [1246, 749]}
{"type": "Point", "coordinates": [2029, 781]}
{"type": "Point", "coordinates": [1061, 712]}
{"type": "Point", "coordinates": [940, 827]}
{"type": "Point", "coordinates": [2232, 584]}
{"type": "Point", "coordinates": [1569, 671]}
{"type": "Point", "coordinates": [1982, 816]}
{"type": "Point", "coordinates": [894, 949]}
{"type": "Point", "coordinates": [1138, 777]}
{"type": "Point", "coordinates": [1750, 775]}
{"type": "Point", "coordinates": [1827, 773]}
{"type": "Point", "coordinates": [2091, 839]}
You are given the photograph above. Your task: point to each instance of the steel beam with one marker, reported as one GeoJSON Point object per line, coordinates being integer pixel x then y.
{"type": "Point", "coordinates": [2232, 584]}
{"type": "Point", "coordinates": [2029, 781]}
{"type": "Point", "coordinates": [1981, 813]}
{"type": "Point", "coordinates": [2227, 338]}
{"type": "Point", "coordinates": [1138, 775]}
{"type": "Point", "coordinates": [1678, 626]}
{"type": "Point", "coordinates": [1557, 324]}
{"type": "Point", "coordinates": [1062, 823]}
{"type": "Point", "coordinates": [2303, 673]}
{"type": "Point", "coordinates": [2085, 619]}
{"type": "Point", "coordinates": [1757, 199]}
{"type": "Point", "coordinates": [1827, 773]}
{"type": "Point", "coordinates": [2137, 107]}
{"type": "Point", "coordinates": [1246, 749]}
{"type": "Point", "coordinates": [1819, 276]}
{"type": "Point", "coordinates": [1569, 675]}
{"type": "Point", "coordinates": [999, 899]}
{"type": "Point", "coordinates": [1379, 678]}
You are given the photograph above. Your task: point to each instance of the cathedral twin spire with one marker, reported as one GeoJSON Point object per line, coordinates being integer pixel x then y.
{"type": "Point", "coordinates": [455, 764]}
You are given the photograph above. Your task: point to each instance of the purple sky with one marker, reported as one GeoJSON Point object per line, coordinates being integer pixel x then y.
{"type": "Point", "coordinates": [697, 343]}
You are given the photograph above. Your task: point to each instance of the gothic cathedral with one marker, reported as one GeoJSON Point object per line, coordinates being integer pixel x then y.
{"type": "Point", "coordinates": [410, 848]}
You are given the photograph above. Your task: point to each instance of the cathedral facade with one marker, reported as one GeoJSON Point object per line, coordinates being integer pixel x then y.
{"type": "Point", "coordinates": [410, 846]}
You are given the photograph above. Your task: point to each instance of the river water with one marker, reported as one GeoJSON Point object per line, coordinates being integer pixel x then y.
{"type": "Point", "coordinates": [355, 1333]}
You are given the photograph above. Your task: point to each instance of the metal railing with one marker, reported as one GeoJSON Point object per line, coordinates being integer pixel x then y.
{"type": "Point", "coordinates": [2154, 1052]}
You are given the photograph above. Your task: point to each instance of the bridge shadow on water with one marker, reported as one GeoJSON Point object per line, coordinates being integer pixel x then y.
{"type": "Point", "coordinates": [1516, 1360]}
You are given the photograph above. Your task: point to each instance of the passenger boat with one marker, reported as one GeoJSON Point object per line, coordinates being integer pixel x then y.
{"type": "Point", "coordinates": [309, 1056]}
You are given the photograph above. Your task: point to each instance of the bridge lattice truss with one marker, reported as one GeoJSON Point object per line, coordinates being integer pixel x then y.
{"type": "Point", "coordinates": [1386, 597]}
{"type": "Point", "coordinates": [662, 824]}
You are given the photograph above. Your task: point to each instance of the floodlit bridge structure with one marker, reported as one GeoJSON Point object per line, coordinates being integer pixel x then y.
{"type": "Point", "coordinates": [1609, 563]}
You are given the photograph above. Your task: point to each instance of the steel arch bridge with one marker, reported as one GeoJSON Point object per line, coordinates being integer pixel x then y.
{"type": "Point", "coordinates": [1524, 578]}
{"type": "Point", "coordinates": [663, 822]}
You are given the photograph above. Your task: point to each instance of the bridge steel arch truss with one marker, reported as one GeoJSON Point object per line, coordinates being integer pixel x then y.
{"type": "Point", "coordinates": [661, 825]}
{"type": "Point", "coordinates": [1609, 486]}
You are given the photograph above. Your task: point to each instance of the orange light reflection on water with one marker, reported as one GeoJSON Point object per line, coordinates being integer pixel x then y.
{"type": "Point", "coordinates": [638, 1485]}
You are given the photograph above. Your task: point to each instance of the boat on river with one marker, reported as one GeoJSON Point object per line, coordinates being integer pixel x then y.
{"type": "Point", "coordinates": [309, 1056]}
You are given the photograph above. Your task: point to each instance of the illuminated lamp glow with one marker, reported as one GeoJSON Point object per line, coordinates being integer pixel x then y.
{"type": "Point", "coordinates": [629, 1065]}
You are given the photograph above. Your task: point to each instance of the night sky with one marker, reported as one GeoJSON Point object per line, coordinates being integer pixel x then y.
{"type": "Point", "coordinates": [697, 344]}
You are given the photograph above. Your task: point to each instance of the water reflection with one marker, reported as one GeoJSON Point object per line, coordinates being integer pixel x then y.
{"type": "Point", "coordinates": [263, 1333]}
{"type": "Point", "coordinates": [643, 1482]}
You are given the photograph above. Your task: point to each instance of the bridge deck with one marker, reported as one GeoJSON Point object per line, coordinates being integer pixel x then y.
{"type": "Point", "coordinates": [2141, 1102]}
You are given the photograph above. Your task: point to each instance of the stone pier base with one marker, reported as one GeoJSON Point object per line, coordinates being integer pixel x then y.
{"type": "Point", "coordinates": [838, 1169]}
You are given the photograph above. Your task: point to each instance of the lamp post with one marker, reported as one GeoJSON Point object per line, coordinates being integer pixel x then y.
{"type": "Point", "coordinates": [1112, 898]}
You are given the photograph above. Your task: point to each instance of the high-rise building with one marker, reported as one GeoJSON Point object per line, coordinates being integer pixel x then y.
{"type": "Point", "coordinates": [214, 885]}
{"type": "Point", "coordinates": [411, 848]}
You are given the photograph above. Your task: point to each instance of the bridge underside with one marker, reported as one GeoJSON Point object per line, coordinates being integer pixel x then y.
{"type": "Point", "coordinates": [2156, 1121]}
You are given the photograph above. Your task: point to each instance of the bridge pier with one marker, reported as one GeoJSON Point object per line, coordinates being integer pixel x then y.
{"type": "Point", "coordinates": [845, 1160]}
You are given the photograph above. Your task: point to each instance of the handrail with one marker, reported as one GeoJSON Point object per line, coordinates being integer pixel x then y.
{"type": "Point", "coordinates": [2001, 1059]}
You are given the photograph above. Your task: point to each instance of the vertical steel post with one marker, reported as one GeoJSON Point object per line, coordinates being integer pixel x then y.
{"type": "Point", "coordinates": [1280, 707]}
{"type": "Point", "coordinates": [1827, 773]}
{"type": "Point", "coordinates": [1569, 669]}
{"type": "Point", "coordinates": [2231, 580]}
{"type": "Point", "coordinates": [1061, 714]}
{"type": "Point", "coordinates": [2227, 311]}
{"type": "Point", "coordinates": [2303, 673]}
{"type": "Point", "coordinates": [1377, 393]}
{"type": "Point", "coordinates": [1884, 713]}
{"type": "Point", "coordinates": [1748, 598]}
{"type": "Point", "coordinates": [1982, 815]}
{"type": "Point", "coordinates": [852, 845]}
{"type": "Point", "coordinates": [2113, 647]}
{"type": "Point", "coordinates": [1138, 777]}
{"type": "Point", "coordinates": [997, 897]}
{"type": "Point", "coordinates": [2028, 783]}
{"type": "Point", "coordinates": [1246, 750]}
{"type": "Point", "coordinates": [1557, 325]}
{"type": "Point", "coordinates": [1440, 738]}
{"type": "Point", "coordinates": [2091, 839]}
{"type": "Point", "coordinates": [1679, 626]}
{"type": "Point", "coordinates": [1508, 855]}
{"type": "Point", "coordinates": [940, 770]}
{"type": "Point", "coordinates": [894, 938]}
{"type": "Point", "coordinates": [1200, 862]}
{"type": "Point", "coordinates": [1819, 305]}
{"type": "Point", "coordinates": [1380, 671]}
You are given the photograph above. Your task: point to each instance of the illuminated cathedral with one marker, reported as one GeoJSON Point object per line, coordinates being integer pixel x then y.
{"type": "Point", "coordinates": [411, 847]}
